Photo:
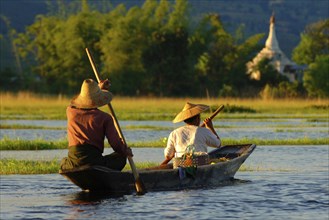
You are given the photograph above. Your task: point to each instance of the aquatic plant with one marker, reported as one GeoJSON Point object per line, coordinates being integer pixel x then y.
{"type": "Point", "coordinates": [13, 166]}
{"type": "Point", "coordinates": [25, 105]}
{"type": "Point", "coordinates": [38, 144]}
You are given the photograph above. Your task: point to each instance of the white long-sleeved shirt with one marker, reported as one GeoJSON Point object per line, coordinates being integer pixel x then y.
{"type": "Point", "coordinates": [184, 136]}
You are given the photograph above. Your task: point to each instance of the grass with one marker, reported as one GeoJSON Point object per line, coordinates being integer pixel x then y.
{"type": "Point", "coordinates": [18, 126]}
{"type": "Point", "coordinates": [25, 105]}
{"type": "Point", "coordinates": [264, 142]}
{"type": "Point", "coordinates": [128, 127]}
{"type": "Point", "coordinates": [280, 128]}
{"type": "Point", "coordinates": [245, 168]}
{"type": "Point", "coordinates": [38, 144]}
{"type": "Point", "coordinates": [18, 144]}
{"type": "Point", "coordinates": [13, 166]}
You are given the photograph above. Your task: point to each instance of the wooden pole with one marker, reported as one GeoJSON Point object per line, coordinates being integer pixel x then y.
{"type": "Point", "coordinates": [140, 188]}
{"type": "Point", "coordinates": [220, 108]}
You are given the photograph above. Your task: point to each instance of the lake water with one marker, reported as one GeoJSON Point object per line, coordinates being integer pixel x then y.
{"type": "Point", "coordinates": [227, 128]}
{"type": "Point", "coordinates": [282, 182]}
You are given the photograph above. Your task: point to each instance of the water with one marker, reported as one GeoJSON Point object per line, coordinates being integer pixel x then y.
{"type": "Point", "coordinates": [229, 128]}
{"type": "Point", "coordinates": [284, 182]}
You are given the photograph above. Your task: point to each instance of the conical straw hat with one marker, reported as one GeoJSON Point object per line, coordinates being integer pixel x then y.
{"type": "Point", "coordinates": [189, 111]}
{"type": "Point", "coordinates": [91, 96]}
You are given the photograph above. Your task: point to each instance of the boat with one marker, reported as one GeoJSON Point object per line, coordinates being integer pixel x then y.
{"type": "Point", "coordinates": [224, 163]}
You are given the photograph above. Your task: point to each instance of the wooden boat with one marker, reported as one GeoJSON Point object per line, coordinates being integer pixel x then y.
{"type": "Point", "coordinates": [225, 163]}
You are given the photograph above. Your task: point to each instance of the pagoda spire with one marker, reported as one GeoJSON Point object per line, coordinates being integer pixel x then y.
{"type": "Point", "coordinates": [271, 42]}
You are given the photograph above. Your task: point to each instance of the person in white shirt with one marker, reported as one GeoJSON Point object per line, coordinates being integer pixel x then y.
{"type": "Point", "coordinates": [191, 134]}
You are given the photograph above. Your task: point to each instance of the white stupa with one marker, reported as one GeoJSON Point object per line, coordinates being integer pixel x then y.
{"type": "Point", "coordinates": [273, 52]}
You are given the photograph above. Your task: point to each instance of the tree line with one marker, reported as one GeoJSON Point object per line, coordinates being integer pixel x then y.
{"type": "Point", "coordinates": [156, 49]}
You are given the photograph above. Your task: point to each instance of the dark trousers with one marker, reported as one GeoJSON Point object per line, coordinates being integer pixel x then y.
{"type": "Point", "coordinates": [89, 155]}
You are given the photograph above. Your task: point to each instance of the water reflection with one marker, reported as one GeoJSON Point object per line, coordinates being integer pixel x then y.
{"type": "Point", "coordinates": [92, 198]}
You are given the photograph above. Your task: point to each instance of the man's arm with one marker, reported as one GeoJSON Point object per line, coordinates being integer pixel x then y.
{"type": "Point", "coordinates": [167, 160]}
{"type": "Point", "coordinates": [209, 125]}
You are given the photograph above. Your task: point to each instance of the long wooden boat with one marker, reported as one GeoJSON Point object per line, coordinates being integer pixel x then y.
{"type": "Point", "coordinates": [225, 163]}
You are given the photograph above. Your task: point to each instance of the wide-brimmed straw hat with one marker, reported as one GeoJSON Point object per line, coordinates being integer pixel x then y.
{"type": "Point", "coordinates": [91, 96]}
{"type": "Point", "coordinates": [189, 111]}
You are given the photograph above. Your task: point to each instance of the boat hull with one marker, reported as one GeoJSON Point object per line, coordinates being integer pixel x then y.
{"type": "Point", "coordinates": [98, 178]}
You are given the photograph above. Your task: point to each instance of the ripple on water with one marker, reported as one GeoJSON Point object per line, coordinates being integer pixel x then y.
{"type": "Point", "coordinates": [300, 193]}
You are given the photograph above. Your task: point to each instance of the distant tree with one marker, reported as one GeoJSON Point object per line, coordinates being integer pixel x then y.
{"type": "Point", "coordinates": [212, 63]}
{"type": "Point", "coordinates": [316, 78]}
{"type": "Point", "coordinates": [314, 42]}
{"type": "Point", "coordinates": [285, 89]}
{"type": "Point", "coordinates": [37, 49]}
{"type": "Point", "coordinates": [54, 48]}
{"type": "Point", "coordinates": [288, 90]}
{"type": "Point", "coordinates": [269, 75]}
{"type": "Point", "coordinates": [166, 58]}
{"type": "Point", "coordinates": [236, 66]}
{"type": "Point", "coordinates": [146, 50]}
{"type": "Point", "coordinates": [199, 57]}
{"type": "Point", "coordinates": [161, 15]}
{"type": "Point", "coordinates": [123, 45]}
{"type": "Point", "coordinates": [14, 73]}
{"type": "Point", "coordinates": [227, 91]}
{"type": "Point", "coordinates": [222, 59]}
{"type": "Point", "coordinates": [9, 80]}
{"type": "Point", "coordinates": [313, 50]}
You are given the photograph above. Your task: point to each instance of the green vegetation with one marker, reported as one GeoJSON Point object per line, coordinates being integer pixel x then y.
{"type": "Point", "coordinates": [280, 128]}
{"type": "Point", "coordinates": [24, 105]}
{"type": "Point", "coordinates": [145, 127]}
{"type": "Point", "coordinates": [313, 50]}
{"type": "Point", "coordinates": [141, 165]}
{"type": "Point", "coordinates": [18, 126]}
{"type": "Point", "coordinates": [128, 127]}
{"type": "Point", "coordinates": [157, 49]}
{"type": "Point", "coordinates": [229, 141]}
{"type": "Point", "coordinates": [18, 144]}
{"type": "Point", "coordinates": [9, 144]}
{"type": "Point", "coordinates": [12, 166]}
{"type": "Point", "coordinates": [245, 168]}
{"type": "Point", "coordinates": [264, 142]}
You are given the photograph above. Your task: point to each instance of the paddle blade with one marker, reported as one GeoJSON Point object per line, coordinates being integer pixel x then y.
{"type": "Point", "coordinates": [140, 188]}
{"type": "Point", "coordinates": [139, 185]}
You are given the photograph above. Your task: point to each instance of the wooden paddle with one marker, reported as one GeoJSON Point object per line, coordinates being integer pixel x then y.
{"type": "Point", "coordinates": [220, 108]}
{"type": "Point", "coordinates": [140, 188]}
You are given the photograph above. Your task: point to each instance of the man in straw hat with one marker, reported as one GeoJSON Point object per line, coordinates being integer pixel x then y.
{"type": "Point", "coordinates": [88, 126]}
{"type": "Point", "coordinates": [191, 133]}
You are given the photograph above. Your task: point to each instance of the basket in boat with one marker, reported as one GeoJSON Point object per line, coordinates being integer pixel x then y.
{"type": "Point", "coordinates": [189, 160]}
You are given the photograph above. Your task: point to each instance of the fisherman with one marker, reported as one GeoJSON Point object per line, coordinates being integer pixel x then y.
{"type": "Point", "coordinates": [191, 134]}
{"type": "Point", "coordinates": [87, 127]}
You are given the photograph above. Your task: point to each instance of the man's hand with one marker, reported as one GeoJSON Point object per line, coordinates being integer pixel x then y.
{"type": "Point", "coordinates": [104, 84]}
{"type": "Point", "coordinates": [129, 152]}
{"type": "Point", "coordinates": [208, 123]}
